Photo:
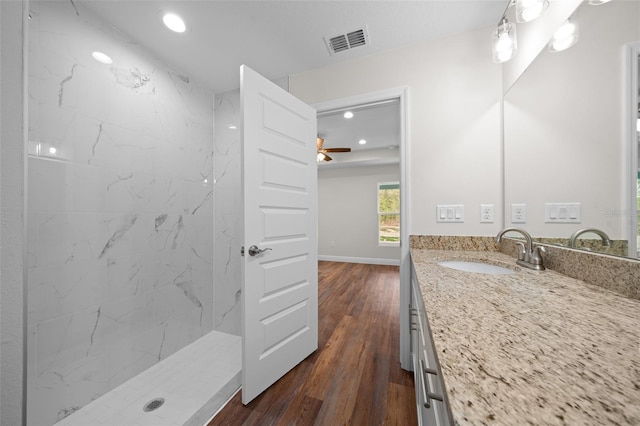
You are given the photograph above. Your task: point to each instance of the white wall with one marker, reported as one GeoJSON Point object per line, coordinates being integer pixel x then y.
{"type": "Point", "coordinates": [454, 114]}
{"type": "Point", "coordinates": [564, 126]}
{"type": "Point", "coordinates": [11, 207]}
{"type": "Point", "coordinates": [347, 213]}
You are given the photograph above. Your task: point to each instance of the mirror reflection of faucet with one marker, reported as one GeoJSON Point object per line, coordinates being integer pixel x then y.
{"type": "Point", "coordinates": [606, 241]}
{"type": "Point", "coordinates": [528, 256]}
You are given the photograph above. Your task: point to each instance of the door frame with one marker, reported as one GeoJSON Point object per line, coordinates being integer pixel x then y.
{"type": "Point", "coordinates": [402, 94]}
{"type": "Point", "coordinates": [631, 136]}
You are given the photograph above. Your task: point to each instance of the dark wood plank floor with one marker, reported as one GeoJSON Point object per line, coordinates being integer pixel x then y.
{"type": "Point", "coordinates": [354, 377]}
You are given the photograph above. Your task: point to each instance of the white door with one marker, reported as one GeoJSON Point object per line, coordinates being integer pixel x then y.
{"type": "Point", "coordinates": [279, 274]}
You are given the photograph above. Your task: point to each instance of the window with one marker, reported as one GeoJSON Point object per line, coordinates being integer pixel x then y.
{"type": "Point", "coordinates": [389, 213]}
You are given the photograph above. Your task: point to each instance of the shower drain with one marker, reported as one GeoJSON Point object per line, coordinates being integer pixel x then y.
{"type": "Point", "coordinates": [154, 404]}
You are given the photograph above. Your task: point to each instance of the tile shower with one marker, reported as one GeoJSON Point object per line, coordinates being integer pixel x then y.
{"type": "Point", "coordinates": [122, 260]}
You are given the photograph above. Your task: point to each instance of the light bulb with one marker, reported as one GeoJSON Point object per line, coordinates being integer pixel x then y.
{"type": "Point", "coordinates": [174, 23]}
{"type": "Point", "coordinates": [504, 43]}
{"type": "Point", "coordinates": [532, 13]}
{"type": "Point", "coordinates": [528, 10]}
{"type": "Point", "coordinates": [565, 36]}
{"type": "Point", "coordinates": [348, 114]}
{"type": "Point", "coordinates": [565, 31]}
{"type": "Point", "coordinates": [504, 56]}
{"type": "Point", "coordinates": [563, 43]}
{"type": "Point", "coordinates": [102, 58]}
{"type": "Point", "coordinates": [362, 141]}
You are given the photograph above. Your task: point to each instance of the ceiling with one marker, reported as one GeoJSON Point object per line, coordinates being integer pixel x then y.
{"type": "Point", "coordinates": [277, 38]}
{"type": "Point", "coordinates": [378, 124]}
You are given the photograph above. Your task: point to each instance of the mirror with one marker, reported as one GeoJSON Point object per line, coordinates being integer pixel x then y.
{"type": "Point", "coordinates": [565, 145]}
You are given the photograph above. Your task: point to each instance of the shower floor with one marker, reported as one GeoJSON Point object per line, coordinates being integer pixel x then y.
{"type": "Point", "coordinates": [194, 382]}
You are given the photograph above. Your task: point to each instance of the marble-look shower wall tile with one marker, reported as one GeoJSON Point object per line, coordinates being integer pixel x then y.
{"type": "Point", "coordinates": [199, 234]}
{"type": "Point", "coordinates": [199, 154]}
{"type": "Point", "coordinates": [120, 210]}
{"type": "Point", "coordinates": [132, 276]}
{"type": "Point", "coordinates": [228, 208]}
{"type": "Point", "coordinates": [83, 380]}
{"type": "Point", "coordinates": [56, 291]}
{"type": "Point", "coordinates": [134, 354]}
{"type": "Point", "coordinates": [66, 237]}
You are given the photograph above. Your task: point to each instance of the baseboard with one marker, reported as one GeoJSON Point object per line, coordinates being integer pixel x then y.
{"type": "Point", "coordinates": [367, 260]}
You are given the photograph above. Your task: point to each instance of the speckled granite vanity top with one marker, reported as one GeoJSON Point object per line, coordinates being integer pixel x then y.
{"type": "Point", "coordinates": [532, 347]}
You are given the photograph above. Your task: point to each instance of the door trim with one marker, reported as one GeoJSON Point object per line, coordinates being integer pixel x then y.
{"type": "Point", "coordinates": [401, 93]}
{"type": "Point", "coordinates": [631, 136]}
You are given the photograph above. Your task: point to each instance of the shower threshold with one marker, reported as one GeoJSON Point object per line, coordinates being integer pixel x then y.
{"type": "Point", "coordinates": [193, 384]}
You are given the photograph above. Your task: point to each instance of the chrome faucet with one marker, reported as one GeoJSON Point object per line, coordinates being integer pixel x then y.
{"type": "Point", "coordinates": [606, 241]}
{"type": "Point", "coordinates": [528, 256]}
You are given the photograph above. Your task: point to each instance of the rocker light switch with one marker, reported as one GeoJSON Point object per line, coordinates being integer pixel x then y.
{"type": "Point", "coordinates": [562, 212]}
{"type": "Point", "coordinates": [450, 213]}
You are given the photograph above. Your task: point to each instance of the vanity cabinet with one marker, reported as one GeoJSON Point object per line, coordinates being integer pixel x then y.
{"type": "Point", "coordinates": [431, 399]}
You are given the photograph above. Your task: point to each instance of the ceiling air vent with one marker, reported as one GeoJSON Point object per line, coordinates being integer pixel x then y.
{"type": "Point", "coordinates": [343, 42]}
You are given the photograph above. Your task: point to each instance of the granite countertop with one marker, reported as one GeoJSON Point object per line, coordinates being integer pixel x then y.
{"type": "Point", "coordinates": [532, 347]}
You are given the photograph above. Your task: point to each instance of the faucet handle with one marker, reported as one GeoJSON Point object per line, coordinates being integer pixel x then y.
{"type": "Point", "coordinates": [521, 251]}
{"type": "Point", "coordinates": [536, 258]}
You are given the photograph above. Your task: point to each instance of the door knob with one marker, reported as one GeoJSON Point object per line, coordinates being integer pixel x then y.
{"type": "Point", "coordinates": [254, 250]}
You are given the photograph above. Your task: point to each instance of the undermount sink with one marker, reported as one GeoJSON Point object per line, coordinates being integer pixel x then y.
{"type": "Point", "coordinates": [480, 268]}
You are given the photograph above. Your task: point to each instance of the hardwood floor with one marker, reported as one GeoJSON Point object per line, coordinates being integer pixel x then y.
{"type": "Point", "coordinates": [354, 377]}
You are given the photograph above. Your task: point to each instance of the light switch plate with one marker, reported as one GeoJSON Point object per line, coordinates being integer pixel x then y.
{"type": "Point", "coordinates": [562, 212]}
{"type": "Point", "coordinates": [451, 213]}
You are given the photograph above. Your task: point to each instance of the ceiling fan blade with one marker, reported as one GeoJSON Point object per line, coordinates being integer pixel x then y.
{"type": "Point", "coordinates": [337, 150]}
{"type": "Point", "coordinates": [327, 158]}
{"type": "Point", "coordinates": [319, 143]}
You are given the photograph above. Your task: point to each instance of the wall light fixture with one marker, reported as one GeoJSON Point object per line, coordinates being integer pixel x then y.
{"type": "Point", "coordinates": [504, 43]}
{"type": "Point", "coordinates": [528, 10]}
{"type": "Point", "coordinates": [565, 36]}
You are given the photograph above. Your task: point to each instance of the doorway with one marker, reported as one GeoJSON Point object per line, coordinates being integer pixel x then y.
{"type": "Point", "coordinates": [401, 95]}
{"type": "Point", "coordinates": [358, 190]}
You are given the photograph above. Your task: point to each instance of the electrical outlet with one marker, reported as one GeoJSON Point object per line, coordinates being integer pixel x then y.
{"type": "Point", "coordinates": [518, 213]}
{"type": "Point", "coordinates": [486, 213]}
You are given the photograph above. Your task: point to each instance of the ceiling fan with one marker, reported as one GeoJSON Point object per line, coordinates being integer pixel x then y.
{"type": "Point", "coordinates": [322, 152]}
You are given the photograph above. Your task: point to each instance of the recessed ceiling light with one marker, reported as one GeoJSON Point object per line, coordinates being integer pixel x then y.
{"type": "Point", "coordinates": [174, 22]}
{"type": "Point", "coordinates": [348, 114]}
{"type": "Point", "coordinates": [102, 58]}
{"type": "Point", "coordinates": [232, 126]}
{"type": "Point", "coordinates": [362, 141]}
